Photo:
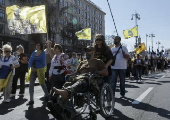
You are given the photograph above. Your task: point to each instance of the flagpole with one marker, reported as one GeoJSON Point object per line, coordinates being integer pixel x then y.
{"type": "Point", "coordinates": [47, 36]}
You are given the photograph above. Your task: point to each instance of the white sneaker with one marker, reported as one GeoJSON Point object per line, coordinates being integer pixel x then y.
{"type": "Point", "coordinates": [12, 95]}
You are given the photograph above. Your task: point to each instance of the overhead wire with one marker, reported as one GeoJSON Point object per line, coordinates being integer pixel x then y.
{"type": "Point", "coordinates": [112, 17]}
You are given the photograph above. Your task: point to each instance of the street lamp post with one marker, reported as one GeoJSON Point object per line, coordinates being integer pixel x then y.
{"type": "Point", "coordinates": [152, 35]}
{"type": "Point", "coordinates": [146, 41]}
{"type": "Point", "coordinates": [137, 17]}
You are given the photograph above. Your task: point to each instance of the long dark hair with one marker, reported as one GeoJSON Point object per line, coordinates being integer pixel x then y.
{"type": "Point", "coordinates": [103, 46]}
{"type": "Point", "coordinates": [41, 46]}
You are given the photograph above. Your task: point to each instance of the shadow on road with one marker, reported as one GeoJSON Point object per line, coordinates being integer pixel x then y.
{"type": "Point", "coordinates": [38, 113]}
{"type": "Point", "coordinates": [164, 81]}
{"type": "Point", "coordinates": [145, 107]}
{"type": "Point", "coordinates": [8, 107]}
{"type": "Point", "coordinates": [118, 115]}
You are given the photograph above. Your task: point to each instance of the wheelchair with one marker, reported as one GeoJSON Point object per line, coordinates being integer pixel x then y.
{"type": "Point", "coordinates": [88, 102]}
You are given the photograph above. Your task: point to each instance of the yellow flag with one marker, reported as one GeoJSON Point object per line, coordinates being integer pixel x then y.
{"type": "Point", "coordinates": [84, 34]}
{"type": "Point", "coordinates": [26, 20]}
{"type": "Point", "coordinates": [140, 48]}
{"type": "Point", "coordinates": [133, 32]}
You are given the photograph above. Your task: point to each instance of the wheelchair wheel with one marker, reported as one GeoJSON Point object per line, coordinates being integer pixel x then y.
{"type": "Point", "coordinates": [107, 100]}
{"type": "Point", "coordinates": [67, 115]}
{"type": "Point", "coordinates": [79, 103]}
{"type": "Point", "coordinates": [93, 116]}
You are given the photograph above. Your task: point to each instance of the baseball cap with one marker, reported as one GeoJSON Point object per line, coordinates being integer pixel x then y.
{"type": "Point", "coordinates": [89, 48]}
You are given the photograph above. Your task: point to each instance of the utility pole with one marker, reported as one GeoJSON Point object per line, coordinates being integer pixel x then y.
{"type": "Point", "coordinates": [137, 17]}
{"type": "Point", "coordinates": [146, 41]}
{"type": "Point", "coordinates": [152, 35]}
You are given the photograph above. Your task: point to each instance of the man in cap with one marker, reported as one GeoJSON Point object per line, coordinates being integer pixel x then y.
{"type": "Point", "coordinates": [79, 82]}
{"type": "Point", "coordinates": [120, 66]}
{"type": "Point", "coordinates": [49, 55]}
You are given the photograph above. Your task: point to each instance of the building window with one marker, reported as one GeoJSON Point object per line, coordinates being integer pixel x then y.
{"type": "Point", "coordinates": [85, 15]}
{"type": "Point", "coordinates": [2, 2]}
{"type": "Point", "coordinates": [75, 9]}
{"type": "Point", "coordinates": [2, 15]}
{"type": "Point", "coordinates": [75, 2]}
{"type": "Point", "coordinates": [62, 2]}
{"type": "Point", "coordinates": [78, 19]}
{"type": "Point", "coordinates": [78, 2]}
{"type": "Point", "coordinates": [2, 29]}
{"type": "Point", "coordinates": [79, 11]}
{"type": "Point", "coordinates": [82, 13]}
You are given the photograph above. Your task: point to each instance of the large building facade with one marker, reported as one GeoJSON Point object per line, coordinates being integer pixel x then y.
{"type": "Point", "coordinates": [82, 13]}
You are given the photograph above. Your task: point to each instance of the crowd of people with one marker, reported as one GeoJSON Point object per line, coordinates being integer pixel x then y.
{"type": "Point", "coordinates": [139, 66]}
{"type": "Point", "coordinates": [50, 66]}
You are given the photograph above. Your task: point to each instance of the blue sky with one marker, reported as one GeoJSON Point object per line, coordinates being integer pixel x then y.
{"type": "Point", "coordinates": [155, 19]}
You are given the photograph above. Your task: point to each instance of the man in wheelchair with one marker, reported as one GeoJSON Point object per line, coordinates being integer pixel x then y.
{"type": "Point", "coordinates": [79, 82]}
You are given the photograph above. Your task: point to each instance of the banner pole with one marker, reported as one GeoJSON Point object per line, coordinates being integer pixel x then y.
{"type": "Point", "coordinates": [47, 36]}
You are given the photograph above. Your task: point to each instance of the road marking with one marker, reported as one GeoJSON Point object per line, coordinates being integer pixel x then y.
{"type": "Point", "coordinates": [142, 96]}
{"type": "Point", "coordinates": [163, 76]}
{"type": "Point", "coordinates": [40, 96]}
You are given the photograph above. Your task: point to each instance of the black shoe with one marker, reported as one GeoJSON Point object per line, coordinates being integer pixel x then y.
{"type": "Point", "coordinates": [30, 103]}
{"type": "Point", "coordinates": [122, 96]}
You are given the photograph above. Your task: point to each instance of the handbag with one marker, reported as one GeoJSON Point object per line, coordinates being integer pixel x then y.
{"type": "Point", "coordinates": [114, 57]}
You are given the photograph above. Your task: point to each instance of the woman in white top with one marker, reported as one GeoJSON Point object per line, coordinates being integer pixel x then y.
{"type": "Point", "coordinates": [57, 68]}
{"type": "Point", "coordinates": [8, 63]}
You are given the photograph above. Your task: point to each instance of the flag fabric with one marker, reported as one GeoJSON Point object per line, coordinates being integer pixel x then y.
{"type": "Point", "coordinates": [140, 48]}
{"type": "Point", "coordinates": [40, 74]}
{"type": "Point", "coordinates": [5, 74]}
{"type": "Point", "coordinates": [133, 32]}
{"type": "Point", "coordinates": [84, 34]}
{"type": "Point", "coordinates": [26, 20]}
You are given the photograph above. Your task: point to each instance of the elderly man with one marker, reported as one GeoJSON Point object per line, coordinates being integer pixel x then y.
{"type": "Point", "coordinates": [49, 55]}
{"type": "Point", "coordinates": [79, 82]}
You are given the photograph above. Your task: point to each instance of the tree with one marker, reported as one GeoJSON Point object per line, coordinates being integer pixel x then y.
{"type": "Point", "coordinates": [68, 33]}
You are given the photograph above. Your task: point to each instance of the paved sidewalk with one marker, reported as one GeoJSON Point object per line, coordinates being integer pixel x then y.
{"type": "Point", "coordinates": [27, 83]}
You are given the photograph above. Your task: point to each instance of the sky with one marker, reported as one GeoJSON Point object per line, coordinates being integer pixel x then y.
{"type": "Point", "coordinates": [154, 19]}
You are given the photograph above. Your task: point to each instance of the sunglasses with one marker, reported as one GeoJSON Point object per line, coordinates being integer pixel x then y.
{"type": "Point", "coordinates": [8, 51]}
{"type": "Point", "coordinates": [98, 39]}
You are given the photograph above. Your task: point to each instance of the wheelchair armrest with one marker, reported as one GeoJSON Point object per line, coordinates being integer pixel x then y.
{"type": "Point", "coordinates": [92, 75]}
{"type": "Point", "coordinates": [69, 75]}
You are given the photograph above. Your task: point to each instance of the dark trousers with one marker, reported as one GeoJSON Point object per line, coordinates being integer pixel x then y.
{"type": "Point", "coordinates": [57, 81]}
{"type": "Point", "coordinates": [47, 82]}
{"type": "Point", "coordinates": [17, 76]}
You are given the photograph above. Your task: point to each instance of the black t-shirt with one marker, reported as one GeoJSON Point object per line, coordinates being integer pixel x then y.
{"type": "Point", "coordinates": [105, 57]}
{"type": "Point", "coordinates": [23, 67]}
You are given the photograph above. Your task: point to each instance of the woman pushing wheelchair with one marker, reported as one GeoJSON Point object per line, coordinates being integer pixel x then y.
{"type": "Point", "coordinates": [79, 82]}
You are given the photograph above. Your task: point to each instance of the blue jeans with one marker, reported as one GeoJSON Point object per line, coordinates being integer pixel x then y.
{"type": "Point", "coordinates": [138, 74]}
{"type": "Point", "coordinates": [31, 86]}
{"type": "Point", "coordinates": [121, 73]}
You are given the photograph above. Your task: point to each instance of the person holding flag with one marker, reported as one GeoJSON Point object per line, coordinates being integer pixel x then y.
{"type": "Point", "coordinates": [37, 68]}
{"type": "Point", "coordinates": [7, 71]}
